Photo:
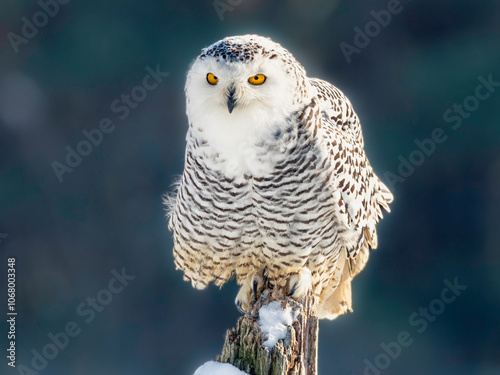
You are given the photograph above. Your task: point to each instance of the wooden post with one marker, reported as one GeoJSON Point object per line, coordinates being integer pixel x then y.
{"type": "Point", "coordinates": [296, 354]}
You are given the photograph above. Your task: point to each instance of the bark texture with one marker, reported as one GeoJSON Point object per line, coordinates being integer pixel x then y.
{"type": "Point", "coordinates": [296, 354]}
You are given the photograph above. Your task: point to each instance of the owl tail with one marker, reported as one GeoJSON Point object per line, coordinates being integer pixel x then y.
{"type": "Point", "coordinates": [340, 300]}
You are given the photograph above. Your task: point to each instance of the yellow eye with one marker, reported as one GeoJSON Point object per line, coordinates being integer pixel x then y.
{"type": "Point", "coordinates": [257, 79]}
{"type": "Point", "coordinates": [212, 79]}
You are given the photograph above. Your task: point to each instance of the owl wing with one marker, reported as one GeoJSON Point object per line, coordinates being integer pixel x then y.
{"type": "Point", "coordinates": [359, 193]}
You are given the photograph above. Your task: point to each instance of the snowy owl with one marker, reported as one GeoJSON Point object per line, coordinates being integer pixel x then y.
{"type": "Point", "coordinates": [277, 189]}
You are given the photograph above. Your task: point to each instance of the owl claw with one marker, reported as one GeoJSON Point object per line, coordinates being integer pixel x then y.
{"type": "Point", "coordinates": [248, 292]}
{"type": "Point", "coordinates": [266, 279]}
{"type": "Point", "coordinates": [300, 283]}
{"type": "Point", "coordinates": [238, 306]}
{"type": "Point", "coordinates": [255, 289]}
{"type": "Point", "coordinates": [242, 300]}
{"type": "Point", "coordinates": [293, 289]}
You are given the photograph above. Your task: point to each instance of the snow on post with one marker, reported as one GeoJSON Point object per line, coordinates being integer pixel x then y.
{"type": "Point", "coordinates": [277, 336]}
{"type": "Point", "coordinates": [274, 321]}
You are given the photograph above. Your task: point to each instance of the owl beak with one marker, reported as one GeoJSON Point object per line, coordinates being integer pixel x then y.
{"type": "Point", "coordinates": [230, 100]}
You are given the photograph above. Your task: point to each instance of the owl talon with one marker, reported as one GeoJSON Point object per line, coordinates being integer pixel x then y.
{"type": "Point", "coordinates": [293, 289]}
{"type": "Point", "coordinates": [248, 292]}
{"type": "Point", "coordinates": [243, 299]}
{"type": "Point", "coordinates": [300, 283]}
{"type": "Point", "coordinates": [238, 306]}
{"type": "Point", "coordinates": [265, 279]}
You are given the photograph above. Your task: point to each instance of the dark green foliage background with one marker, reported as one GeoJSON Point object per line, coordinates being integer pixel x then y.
{"type": "Point", "coordinates": [107, 214]}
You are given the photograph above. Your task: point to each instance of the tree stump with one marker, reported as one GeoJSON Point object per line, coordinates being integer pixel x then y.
{"type": "Point", "coordinates": [296, 354]}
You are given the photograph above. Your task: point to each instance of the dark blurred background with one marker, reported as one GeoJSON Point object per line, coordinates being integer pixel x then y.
{"type": "Point", "coordinates": [107, 213]}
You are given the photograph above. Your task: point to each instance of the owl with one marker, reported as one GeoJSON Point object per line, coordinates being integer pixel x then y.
{"type": "Point", "coordinates": [277, 190]}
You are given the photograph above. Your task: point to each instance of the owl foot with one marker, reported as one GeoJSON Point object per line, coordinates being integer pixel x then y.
{"type": "Point", "coordinates": [267, 282]}
{"type": "Point", "coordinates": [300, 283]}
{"type": "Point", "coordinates": [248, 292]}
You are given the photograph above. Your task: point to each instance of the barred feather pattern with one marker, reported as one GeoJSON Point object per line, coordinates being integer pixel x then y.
{"type": "Point", "coordinates": [315, 207]}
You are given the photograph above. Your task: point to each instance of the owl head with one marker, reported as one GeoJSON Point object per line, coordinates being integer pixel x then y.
{"type": "Point", "coordinates": [245, 77]}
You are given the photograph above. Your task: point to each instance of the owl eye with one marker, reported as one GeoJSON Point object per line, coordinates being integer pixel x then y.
{"type": "Point", "coordinates": [212, 79]}
{"type": "Point", "coordinates": [257, 79]}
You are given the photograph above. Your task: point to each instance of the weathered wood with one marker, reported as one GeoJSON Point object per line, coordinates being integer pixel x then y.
{"type": "Point", "coordinates": [295, 355]}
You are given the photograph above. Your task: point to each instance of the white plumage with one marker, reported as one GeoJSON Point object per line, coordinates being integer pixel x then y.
{"type": "Point", "coordinates": [276, 183]}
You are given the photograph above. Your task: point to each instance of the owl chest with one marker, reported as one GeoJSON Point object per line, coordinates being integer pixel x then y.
{"type": "Point", "coordinates": [282, 208]}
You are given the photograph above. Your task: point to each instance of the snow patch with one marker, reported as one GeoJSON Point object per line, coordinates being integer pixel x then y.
{"type": "Point", "coordinates": [274, 321]}
{"type": "Point", "coordinates": [216, 368]}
